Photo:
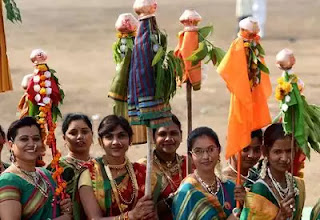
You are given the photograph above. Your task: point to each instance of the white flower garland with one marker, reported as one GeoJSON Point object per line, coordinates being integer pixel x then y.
{"type": "Point", "coordinates": [45, 99]}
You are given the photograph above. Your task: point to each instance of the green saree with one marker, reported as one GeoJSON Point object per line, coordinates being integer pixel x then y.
{"type": "Point", "coordinates": [35, 206]}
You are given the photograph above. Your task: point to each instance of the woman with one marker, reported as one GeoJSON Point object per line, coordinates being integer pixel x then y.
{"type": "Point", "coordinates": [27, 192]}
{"type": "Point", "coordinates": [168, 164]}
{"type": "Point", "coordinates": [3, 165]}
{"type": "Point", "coordinates": [114, 187]}
{"type": "Point", "coordinates": [203, 195]}
{"type": "Point", "coordinates": [249, 158]}
{"type": "Point", "coordinates": [273, 196]}
{"type": "Point", "coordinates": [78, 137]}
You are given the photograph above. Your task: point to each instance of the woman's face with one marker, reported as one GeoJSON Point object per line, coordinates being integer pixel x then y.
{"type": "Point", "coordinates": [168, 139]}
{"type": "Point", "coordinates": [78, 137]}
{"type": "Point", "coordinates": [205, 153]}
{"type": "Point", "coordinates": [115, 143]}
{"type": "Point", "coordinates": [279, 156]}
{"type": "Point", "coordinates": [27, 144]}
{"type": "Point", "coordinates": [251, 154]}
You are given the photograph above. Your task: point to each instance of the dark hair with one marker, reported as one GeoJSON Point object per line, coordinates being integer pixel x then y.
{"type": "Point", "coordinates": [109, 124]}
{"type": "Point", "coordinates": [74, 117]}
{"type": "Point", "coordinates": [23, 122]}
{"type": "Point", "coordinates": [257, 134]}
{"type": "Point", "coordinates": [175, 120]}
{"type": "Point", "coordinates": [2, 133]}
{"type": "Point", "coordinates": [272, 133]}
{"type": "Point", "coordinates": [202, 131]}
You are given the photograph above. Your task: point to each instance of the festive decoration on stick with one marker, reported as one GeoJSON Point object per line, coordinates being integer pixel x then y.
{"type": "Point", "coordinates": [298, 117]}
{"type": "Point", "coordinates": [152, 77]}
{"type": "Point", "coordinates": [247, 79]}
{"type": "Point", "coordinates": [193, 48]}
{"type": "Point", "coordinates": [41, 100]}
{"type": "Point", "coordinates": [126, 25]}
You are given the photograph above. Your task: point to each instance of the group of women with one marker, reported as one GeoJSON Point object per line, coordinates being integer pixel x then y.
{"type": "Point", "coordinates": [112, 187]}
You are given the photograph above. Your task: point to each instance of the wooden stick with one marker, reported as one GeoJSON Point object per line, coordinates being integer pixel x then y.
{"type": "Point", "coordinates": [238, 174]}
{"type": "Point", "coordinates": [292, 147]}
{"type": "Point", "coordinates": [148, 191]}
{"type": "Point", "coordinates": [189, 120]}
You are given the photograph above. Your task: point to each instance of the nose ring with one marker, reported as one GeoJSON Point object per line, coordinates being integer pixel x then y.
{"type": "Point", "coordinates": [35, 148]}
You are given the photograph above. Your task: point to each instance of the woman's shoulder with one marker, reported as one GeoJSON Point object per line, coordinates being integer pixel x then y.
{"type": "Point", "coordinates": [10, 179]}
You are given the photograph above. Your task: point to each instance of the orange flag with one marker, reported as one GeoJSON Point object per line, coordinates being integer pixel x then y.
{"type": "Point", "coordinates": [189, 42]}
{"type": "Point", "coordinates": [248, 107]}
{"type": "Point", "coordinates": [5, 77]}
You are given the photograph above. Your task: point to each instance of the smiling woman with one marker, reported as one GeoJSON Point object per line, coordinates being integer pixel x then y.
{"type": "Point", "coordinates": [275, 195]}
{"type": "Point", "coordinates": [27, 192]}
{"type": "Point", "coordinates": [113, 186]}
{"type": "Point", "coordinates": [203, 195]}
{"type": "Point", "coordinates": [170, 166]}
{"type": "Point", "coordinates": [78, 137]}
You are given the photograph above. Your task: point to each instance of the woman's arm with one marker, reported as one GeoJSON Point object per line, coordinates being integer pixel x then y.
{"type": "Point", "coordinates": [10, 210]}
{"type": "Point", "coordinates": [89, 203]}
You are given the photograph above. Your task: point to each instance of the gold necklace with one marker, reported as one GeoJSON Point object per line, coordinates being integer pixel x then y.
{"type": "Point", "coordinates": [115, 188]}
{"type": "Point", "coordinates": [169, 175]}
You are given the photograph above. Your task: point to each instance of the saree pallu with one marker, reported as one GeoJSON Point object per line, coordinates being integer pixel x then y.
{"type": "Point", "coordinates": [315, 213]}
{"type": "Point", "coordinates": [103, 190]}
{"type": "Point", "coordinates": [35, 206]}
{"type": "Point", "coordinates": [193, 202]}
{"type": "Point", "coordinates": [143, 107]}
{"type": "Point", "coordinates": [261, 204]}
{"type": "Point", "coordinates": [71, 173]}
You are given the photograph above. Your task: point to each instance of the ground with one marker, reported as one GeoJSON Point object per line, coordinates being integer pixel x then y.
{"type": "Point", "coordinates": [77, 35]}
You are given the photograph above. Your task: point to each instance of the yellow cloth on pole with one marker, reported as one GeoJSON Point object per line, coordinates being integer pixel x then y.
{"type": "Point", "coordinates": [5, 77]}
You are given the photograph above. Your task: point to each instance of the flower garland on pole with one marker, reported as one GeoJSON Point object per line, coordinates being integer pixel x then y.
{"type": "Point", "coordinates": [298, 117]}
{"type": "Point", "coordinates": [41, 100]}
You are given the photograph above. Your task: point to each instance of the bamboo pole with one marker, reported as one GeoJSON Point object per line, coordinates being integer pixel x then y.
{"type": "Point", "coordinates": [148, 191]}
{"type": "Point", "coordinates": [292, 147]}
{"type": "Point", "coordinates": [189, 120]}
{"type": "Point", "coordinates": [238, 174]}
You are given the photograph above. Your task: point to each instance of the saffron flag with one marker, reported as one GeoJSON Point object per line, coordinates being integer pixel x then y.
{"type": "Point", "coordinates": [248, 105]}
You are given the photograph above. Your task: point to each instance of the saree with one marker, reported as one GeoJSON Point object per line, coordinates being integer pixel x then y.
{"type": "Point", "coordinates": [191, 201]}
{"type": "Point", "coordinates": [71, 173]}
{"type": "Point", "coordinates": [315, 213]}
{"type": "Point", "coordinates": [35, 206]}
{"type": "Point", "coordinates": [261, 202]}
{"type": "Point", "coordinates": [102, 188]}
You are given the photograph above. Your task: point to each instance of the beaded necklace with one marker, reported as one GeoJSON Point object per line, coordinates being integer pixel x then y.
{"type": "Point", "coordinates": [283, 192]}
{"type": "Point", "coordinates": [115, 188]}
{"type": "Point", "coordinates": [245, 177]}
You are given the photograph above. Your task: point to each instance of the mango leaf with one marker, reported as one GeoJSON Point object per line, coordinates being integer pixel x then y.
{"type": "Point", "coordinates": [204, 32]}
{"type": "Point", "coordinates": [130, 43]}
{"type": "Point", "coordinates": [261, 50]}
{"type": "Point", "coordinates": [160, 53]}
{"type": "Point", "coordinates": [199, 54]}
{"type": "Point", "coordinates": [263, 68]}
{"type": "Point", "coordinates": [254, 57]}
{"type": "Point", "coordinates": [218, 54]}
{"type": "Point", "coordinates": [13, 12]}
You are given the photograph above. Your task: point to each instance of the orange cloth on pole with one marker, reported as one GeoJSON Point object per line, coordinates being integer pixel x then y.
{"type": "Point", "coordinates": [189, 42]}
{"type": "Point", "coordinates": [5, 77]}
{"type": "Point", "coordinates": [248, 109]}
